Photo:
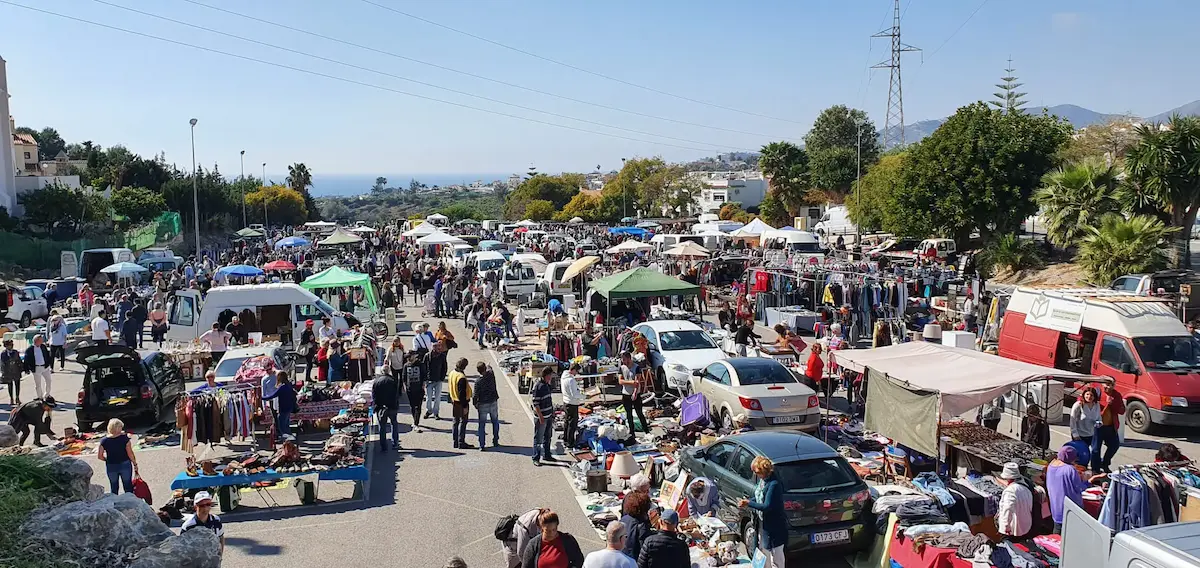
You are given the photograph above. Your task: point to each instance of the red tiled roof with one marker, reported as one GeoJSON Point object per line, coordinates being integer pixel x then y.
{"type": "Point", "coordinates": [22, 138]}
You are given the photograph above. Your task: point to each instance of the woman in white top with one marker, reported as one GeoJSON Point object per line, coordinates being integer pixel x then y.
{"type": "Point", "coordinates": [1084, 415]}
{"type": "Point", "coordinates": [572, 399]}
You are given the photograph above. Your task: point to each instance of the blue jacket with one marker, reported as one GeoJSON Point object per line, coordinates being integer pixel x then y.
{"type": "Point", "coordinates": [287, 397]}
{"type": "Point", "coordinates": [772, 522]}
{"type": "Point", "coordinates": [337, 366]}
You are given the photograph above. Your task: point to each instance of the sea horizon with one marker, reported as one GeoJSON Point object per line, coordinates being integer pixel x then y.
{"type": "Point", "coordinates": [346, 185]}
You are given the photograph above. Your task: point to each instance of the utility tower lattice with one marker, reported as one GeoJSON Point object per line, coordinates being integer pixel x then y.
{"type": "Point", "coordinates": [893, 129]}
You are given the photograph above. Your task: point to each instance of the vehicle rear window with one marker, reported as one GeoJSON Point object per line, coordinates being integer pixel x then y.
{"type": "Point", "coordinates": [815, 476]}
{"type": "Point", "coordinates": [762, 371]}
{"type": "Point", "coordinates": [229, 367]}
{"type": "Point", "coordinates": [119, 375]}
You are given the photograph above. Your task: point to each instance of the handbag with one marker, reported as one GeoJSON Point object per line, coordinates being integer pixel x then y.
{"type": "Point", "coordinates": [141, 490]}
{"type": "Point", "coordinates": [760, 559]}
{"type": "Point", "coordinates": [304, 349]}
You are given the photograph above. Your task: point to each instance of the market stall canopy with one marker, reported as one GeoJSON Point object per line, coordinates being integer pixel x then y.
{"type": "Point", "coordinates": [647, 225]}
{"type": "Point", "coordinates": [437, 217]}
{"type": "Point", "coordinates": [632, 231]}
{"type": "Point", "coordinates": [440, 238]}
{"type": "Point", "coordinates": [641, 283]}
{"type": "Point", "coordinates": [124, 269]}
{"type": "Point", "coordinates": [630, 246]}
{"type": "Point", "coordinates": [242, 270]}
{"type": "Point", "coordinates": [363, 229]}
{"type": "Point", "coordinates": [576, 220]}
{"type": "Point", "coordinates": [291, 242]}
{"type": "Point", "coordinates": [420, 230]}
{"type": "Point", "coordinates": [340, 237]}
{"type": "Point", "coordinates": [687, 248]}
{"type": "Point", "coordinates": [249, 233]}
{"type": "Point", "coordinates": [578, 267]}
{"type": "Point", "coordinates": [627, 219]}
{"type": "Point", "coordinates": [279, 265]}
{"type": "Point", "coordinates": [754, 228]}
{"type": "Point", "coordinates": [467, 222]}
{"type": "Point", "coordinates": [338, 277]}
{"type": "Point", "coordinates": [527, 223]}
{"type": "Point", "coordinates": [911, 386]}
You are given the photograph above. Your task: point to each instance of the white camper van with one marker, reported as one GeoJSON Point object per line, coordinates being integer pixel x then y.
{"type": "Point", "coordinates": [273, 309]}
{"type": "Point", "coordinates": [835, 221]}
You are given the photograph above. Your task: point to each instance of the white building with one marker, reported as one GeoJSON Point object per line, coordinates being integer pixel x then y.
{"type": "Point", "coordinates": [8, 155]}
{"type": "Point", "coordinates": [745, 187]}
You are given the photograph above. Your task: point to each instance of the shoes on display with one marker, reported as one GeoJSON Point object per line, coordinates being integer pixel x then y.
{"type": "Point", "coordinates": [209, 468]}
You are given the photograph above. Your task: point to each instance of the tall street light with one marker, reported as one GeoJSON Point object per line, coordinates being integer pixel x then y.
{"type": "Point", "coordinates": [195, 190]}
{"type": "Point", "coordinates": [264, 197]}
{"type": "Point", "coordinates": [243, 188]}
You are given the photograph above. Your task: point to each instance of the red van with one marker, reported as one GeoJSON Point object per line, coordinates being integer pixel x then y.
{"type": "Point", "coordinates": [1137, 340]}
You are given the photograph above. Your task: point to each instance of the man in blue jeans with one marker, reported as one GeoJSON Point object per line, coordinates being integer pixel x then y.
{"type": "Point", "coordinates": [487, 403]}
{"type": "Point", "coordinates": [543, 425]}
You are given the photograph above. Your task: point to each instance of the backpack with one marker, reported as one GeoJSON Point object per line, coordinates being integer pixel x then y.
{"type": "Point", "coordinates": [504, 527]}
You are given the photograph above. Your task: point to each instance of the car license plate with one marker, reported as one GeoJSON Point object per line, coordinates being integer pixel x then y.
{"type": "Point", "coordinates": [831, 537]}
{"type": "Point", "coordinates": [787, 419]}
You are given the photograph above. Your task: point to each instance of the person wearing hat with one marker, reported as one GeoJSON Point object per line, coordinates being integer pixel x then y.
{"type": "Point", "coordinates": [308, 348]}
{"type": "Point", "coordinates": [664, 549]}
{"type": "Point", "coordinates": [1064, 482]}
{"type": "Point", "coordinates": [1014, 517]}
{"type": "Point", "coordinates": [35, 414]}
{"type": "Point", "coordinates": [204, 518]}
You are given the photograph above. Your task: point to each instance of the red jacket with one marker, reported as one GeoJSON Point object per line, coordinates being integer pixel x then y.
{"type": "Point", "coordinates": [815, 367]}
{"type": "Point", "coordinates": [1114, 404]}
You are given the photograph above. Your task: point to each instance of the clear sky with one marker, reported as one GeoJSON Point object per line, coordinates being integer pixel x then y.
{"type": "Point", "coordinates": [784, 59]}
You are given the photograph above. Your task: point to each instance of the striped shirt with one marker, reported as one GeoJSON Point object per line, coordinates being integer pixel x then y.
{"type": "Point", "coordinates": [213, 524]}
{"type": "Point", "coordinates": [541, 397]}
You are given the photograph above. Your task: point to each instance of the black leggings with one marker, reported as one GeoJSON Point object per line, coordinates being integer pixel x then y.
{"type": "Point", "coordinates": [59, 351]}
{"type": "Point", "coordinates": [634, 404]}
{"type": "Point", "coordinates": [571, 428]}
{"type": "Point", "coordinates": [14, 389]}
{"type": "Point", "coordinates": [415, 397]}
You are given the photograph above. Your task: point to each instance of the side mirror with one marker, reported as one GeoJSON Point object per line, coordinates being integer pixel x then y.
{"type": "Point", "coordinates": [1129, 368]}
{"type": "Point", "coordinates": [698, 373]}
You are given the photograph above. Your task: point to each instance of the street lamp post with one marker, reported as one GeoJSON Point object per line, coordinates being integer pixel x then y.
{"type": "Point", "coordinates": [624, 192]}
{"type": "Point", "coordinates": [195, 189]}
{"type": "Point", "coordinates": [264, 166]}
{"type": "Point", "coordinates": [243, 188]}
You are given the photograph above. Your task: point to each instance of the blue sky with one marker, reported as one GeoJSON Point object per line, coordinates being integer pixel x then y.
{"type": "Point", "coordinates": [785, 59]}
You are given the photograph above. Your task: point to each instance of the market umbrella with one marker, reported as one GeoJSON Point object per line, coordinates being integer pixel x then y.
{"type": "Point", "coordinates": [420, 230]}
{"type": "Point", "coordinates": [440, 238]}
{"type": "Point", "coordinates": [647, 225]}
{"type": "Point", "coordinates": [641, 283]}
{"type": "Point", "coordinates": [467, 222]}
{"type": "Point", "coordinates": [578, 267]}
{"type": "Point", "coordinates": [242, 270]}
{"type": "Point", "coordinates": [520, 230]}
{"type": "Point", "coordinates": [340, 237]}
{"type": "Point", "coordinates": [576, 220]}
{"type": "Point", "coordinates": [124, 269]}
{"type": "Point", "coordinates": [279, 265]}
{"type": "Point", "coordinates": [362, 230]}
{"type": "Point", "coordinates": [291, 242]}
{"type": "Point", "coordinates": [687, 248]}
{"type": "Point", "coordinates": [630, 246]}
{"type": "Point", "coordinates": [527, 223]}
{"type": "Point", "coordinates": [627, 219]}
{"type": "Point", "coordinates": [437, 217]}
{"type": "Point", "coordinates": [249, 233]}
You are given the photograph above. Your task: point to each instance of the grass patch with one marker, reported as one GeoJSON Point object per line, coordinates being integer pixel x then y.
{"type": "Point", "coordinates": [26, 483]}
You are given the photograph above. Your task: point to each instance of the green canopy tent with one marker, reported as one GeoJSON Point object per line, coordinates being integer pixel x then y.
{"type": "Point", "coordinates": [338, 277]}
{"type": "Point", "coordinates": [640, 283]}
{"type": "Point", "coordinates": [249, 233]}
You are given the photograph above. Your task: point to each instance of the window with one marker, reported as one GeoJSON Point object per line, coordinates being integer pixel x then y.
{"type": "Point", "coordinates": [1113, 353]}
{"type": "Point", "coordinates": [816, 476]}
{"type": "Point", "coordinates": [650, 336]}
{"type": "Point", "coordinates": [717, 373]}
{"type": "Point", "coordinates": [718, 198]}
{"type": "Point", "coordinates": [1119, 284]}
{"type": "Point", "coordinates": [308, 312]}
{"type": "Point", "coordinates": [762, 371]}
{"type": "Point", "coordinates": [686, 339]}
{"type": "Point", "coordinates": [718, 454]}
{"type": "Point", "coordinates": [1167, 352]}
{"type": "Point", "coordinates": [27, 156]}
{"type": "Point", "coordinates": [183, 311]}
{"type": "Point", "coordinates": [1132, 284]}
{"type": "Point", "coordinates": [741, 464]}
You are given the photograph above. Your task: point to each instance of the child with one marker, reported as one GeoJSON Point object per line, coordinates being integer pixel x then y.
{"type": "Point", "coordinates": [413, 383]}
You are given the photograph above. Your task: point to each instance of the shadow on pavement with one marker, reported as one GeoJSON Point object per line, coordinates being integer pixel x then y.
{"type": "Point", "coordinates": [252, 547]}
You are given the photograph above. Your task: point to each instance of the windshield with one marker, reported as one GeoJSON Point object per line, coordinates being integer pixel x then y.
{"type": "Point", "coordinates": [805, 247]}
{"type": "Point", "coordinates": [229, 367]}
{"type": "Point", "coordinates": [324, 307]}
{"type": "Point", "coordinates": [815, 476]}
{"type": "Point", "coordinates": [762, 371]}
{"type": "Point", "coordinates": [681, 340]}
{"type": "Point", "coordinates": [1168, 352]}
{"type": "Point", "coordinates": [491, 264]}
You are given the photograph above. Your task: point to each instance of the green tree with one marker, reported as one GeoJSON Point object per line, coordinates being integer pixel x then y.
{"type": "Point", "coordinates": [586, 206]}
{"type": "Point", "coordinates": [1106, 142]}
{"type": "Point", "coordinates": [220, 206]}
{"type": "Point", "coordinates": [1163, 174]}
{"type": "Point", "coordinates": [380, 185]}
{"type": "Point", "coordinates": [61, 210]}
{"type": "Point", "coordinates": [1010, 253]}
{"type": "Point", "coordinates": [872, 206]}
{"type": "Point", "coordinates": [978, 171]}
{"type": "Point", "coordinates": [539, 210]}
{"type": "Point", "coordinates": [773, 211]}
{"type": "Point", "coordinates": [300, 180]}
{"type": "Point", "coordinates": [459, 211]}
{"type": "Point", "coordinates": [1008, 98]}
{"type": "Point", "coordinates": [786, 167]}
{"type": "Point", "coordinates": [334, 209]}
{"type": "Point", "coordinates": [138, 204]}
{"type": "Point", "coordinates": [50, 143]}
{"type": "Point", "coordinates": [284, 205]}
{"type": "Point", "coordinates": [833, 146]}
{"type": "Point", "coordinates": [1124, 246]}
{"type": "Point", "coordinates": [558, 190]}
{"type": "Point", "coordinates": [1074, 197]}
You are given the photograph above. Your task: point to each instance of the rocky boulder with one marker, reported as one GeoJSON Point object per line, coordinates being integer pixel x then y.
{"type": "Point", "coordinates": [197, 548]}
{"type": "Point", "coordinates": [8, 436]}
{"type": "Point", "coordinates": [117, 523]}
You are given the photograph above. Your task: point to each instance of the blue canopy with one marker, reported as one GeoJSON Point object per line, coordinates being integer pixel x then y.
{"type": "Point", "coordinates": [291, 242]}
{"type": "Point", "coordinates": [789, 228]}
{"type": "Point", "coordinates": [634, 231]}
{"type": "Point", "coordinates": [628, 219]}
{"type": "Point", "coordinates": [240, 270]}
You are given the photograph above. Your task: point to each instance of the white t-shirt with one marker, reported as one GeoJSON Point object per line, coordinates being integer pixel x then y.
{"type": "Point", "coordinates": [99, 329]}
{"type": "Point", "coordinates": [217, 340]}
{"type": "Point", "coordinates": [608, 559]}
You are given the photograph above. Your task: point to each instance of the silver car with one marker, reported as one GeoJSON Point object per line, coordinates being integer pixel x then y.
{"type": "Point", "coordinates": [763, 389]}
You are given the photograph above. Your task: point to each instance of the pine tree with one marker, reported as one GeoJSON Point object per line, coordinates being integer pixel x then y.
{"type": "Point", "coordinates": [1008, 98]}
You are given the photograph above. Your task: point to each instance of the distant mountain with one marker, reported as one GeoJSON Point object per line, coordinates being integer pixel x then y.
{"type": "Point", "coordinates": [1078, 116]}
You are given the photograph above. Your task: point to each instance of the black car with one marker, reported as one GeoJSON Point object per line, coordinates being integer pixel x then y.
{"type": "Point", "coordinates": [120, 383]}
{"type": "Point", "coordinates": [828, 506]}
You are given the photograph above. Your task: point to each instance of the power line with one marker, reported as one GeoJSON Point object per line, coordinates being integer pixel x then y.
{"type": "Point", "coordinates": [959, 28]}
{"type": "Point", "coordinates": [475, 75]}
{"type": "Point", "coordinates": [574, 67]}
{"type": "Point", "coordinates": [344, 79]}
{"type": "Point", "coordinates": [403, 78]}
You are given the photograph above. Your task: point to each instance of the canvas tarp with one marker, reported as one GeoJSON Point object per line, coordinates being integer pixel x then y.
{"type": "Point", "coordinates": [340, 237]}
{"type": "Point", "coordinates": [910, 418]}
{"type": "Point", "coordinates": [338, 277]}
{"type": "Point", "coordinates": [642, 283]}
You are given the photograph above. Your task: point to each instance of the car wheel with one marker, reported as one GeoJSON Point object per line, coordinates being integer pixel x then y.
{"type": "Point", "coordinates": [726, 420]}
{"type": "Point", "coordinates": [662, 381]}
{"type": "Point", "coordinates": [749, 536]}
{"type": "Point", "coordinates": [26, 319]}
{"type": "Point", "coordinates": [1137, 415]}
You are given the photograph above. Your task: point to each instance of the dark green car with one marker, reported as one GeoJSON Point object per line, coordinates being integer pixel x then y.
{"type": "Point", "coordinates": [827, 505]}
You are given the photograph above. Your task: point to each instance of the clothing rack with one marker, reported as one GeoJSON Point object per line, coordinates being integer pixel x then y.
{"type": "Point", "coordinates": [1157, 464]}
{"type": "Point", "coordinates": [241, 387]}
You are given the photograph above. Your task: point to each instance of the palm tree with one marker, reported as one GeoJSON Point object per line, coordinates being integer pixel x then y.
{"type": "Point", "coordinates": [1123, 246]}
{"type": "Point", "coordinates": [299, 178]}
{"type": "Point", "coordinates": [1011, 253]}
{"type": "Point", "coordinates": [786, 167]}
{"type": "Point", "coordinates": [1075, 197]}
{"type": "Point", "coordinates": [1164, 173]}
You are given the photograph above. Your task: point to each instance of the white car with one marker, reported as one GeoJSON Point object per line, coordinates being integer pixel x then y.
{"type": "Point", "coordinates": [232, 361]}
{"type": "Point", "coordinates": [26, 304]}
{"type": "Point", "coordinates": [677, 348]}
{"type": "Point", "coordinates": [763, 389]}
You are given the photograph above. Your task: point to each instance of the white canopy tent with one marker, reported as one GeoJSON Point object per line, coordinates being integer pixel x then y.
{"type": "Point", "coordinates": [363, 229]}
{"type": "Point", "coordinates": [576, 220]}
{"type": "Point", "coordinates": [630, 246]}
{"type": "Point", "coordinates": [912, 386]}
{"type": "Point", "coordinates": [421, 230]}
{"type": "Point", "coordinates": [528, 223]}
{"type": "Point", "coordinates": [440, 238]}
{"type": "Point", "coordinates": [437, 217]}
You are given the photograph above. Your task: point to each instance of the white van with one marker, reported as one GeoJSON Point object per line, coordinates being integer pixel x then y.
{"type": "Point", "coordinates": [537, 261]}
{"type": "Point", "coordinates": [458, 255]}
{"type": "Point", "coordinates": [518, 279]}
{"type": "Point", "coordinates": [835, 221]}
{"type": "Point", "coordinates": [491, 224]}
{"type": "Point", "coordinates": [486, 260]}
{"type": "Point", "coordinates": [551, 282]}
{"type": "Point", "coordinates": [664, 242]}
{"type": "Point", "coordinates": [93, 260]}
{"type": "Point", "coordinates": [267, 308]}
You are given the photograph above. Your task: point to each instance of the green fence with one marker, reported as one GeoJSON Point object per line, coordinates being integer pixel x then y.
{"type": "Point", "coordinates": [36, 253]}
